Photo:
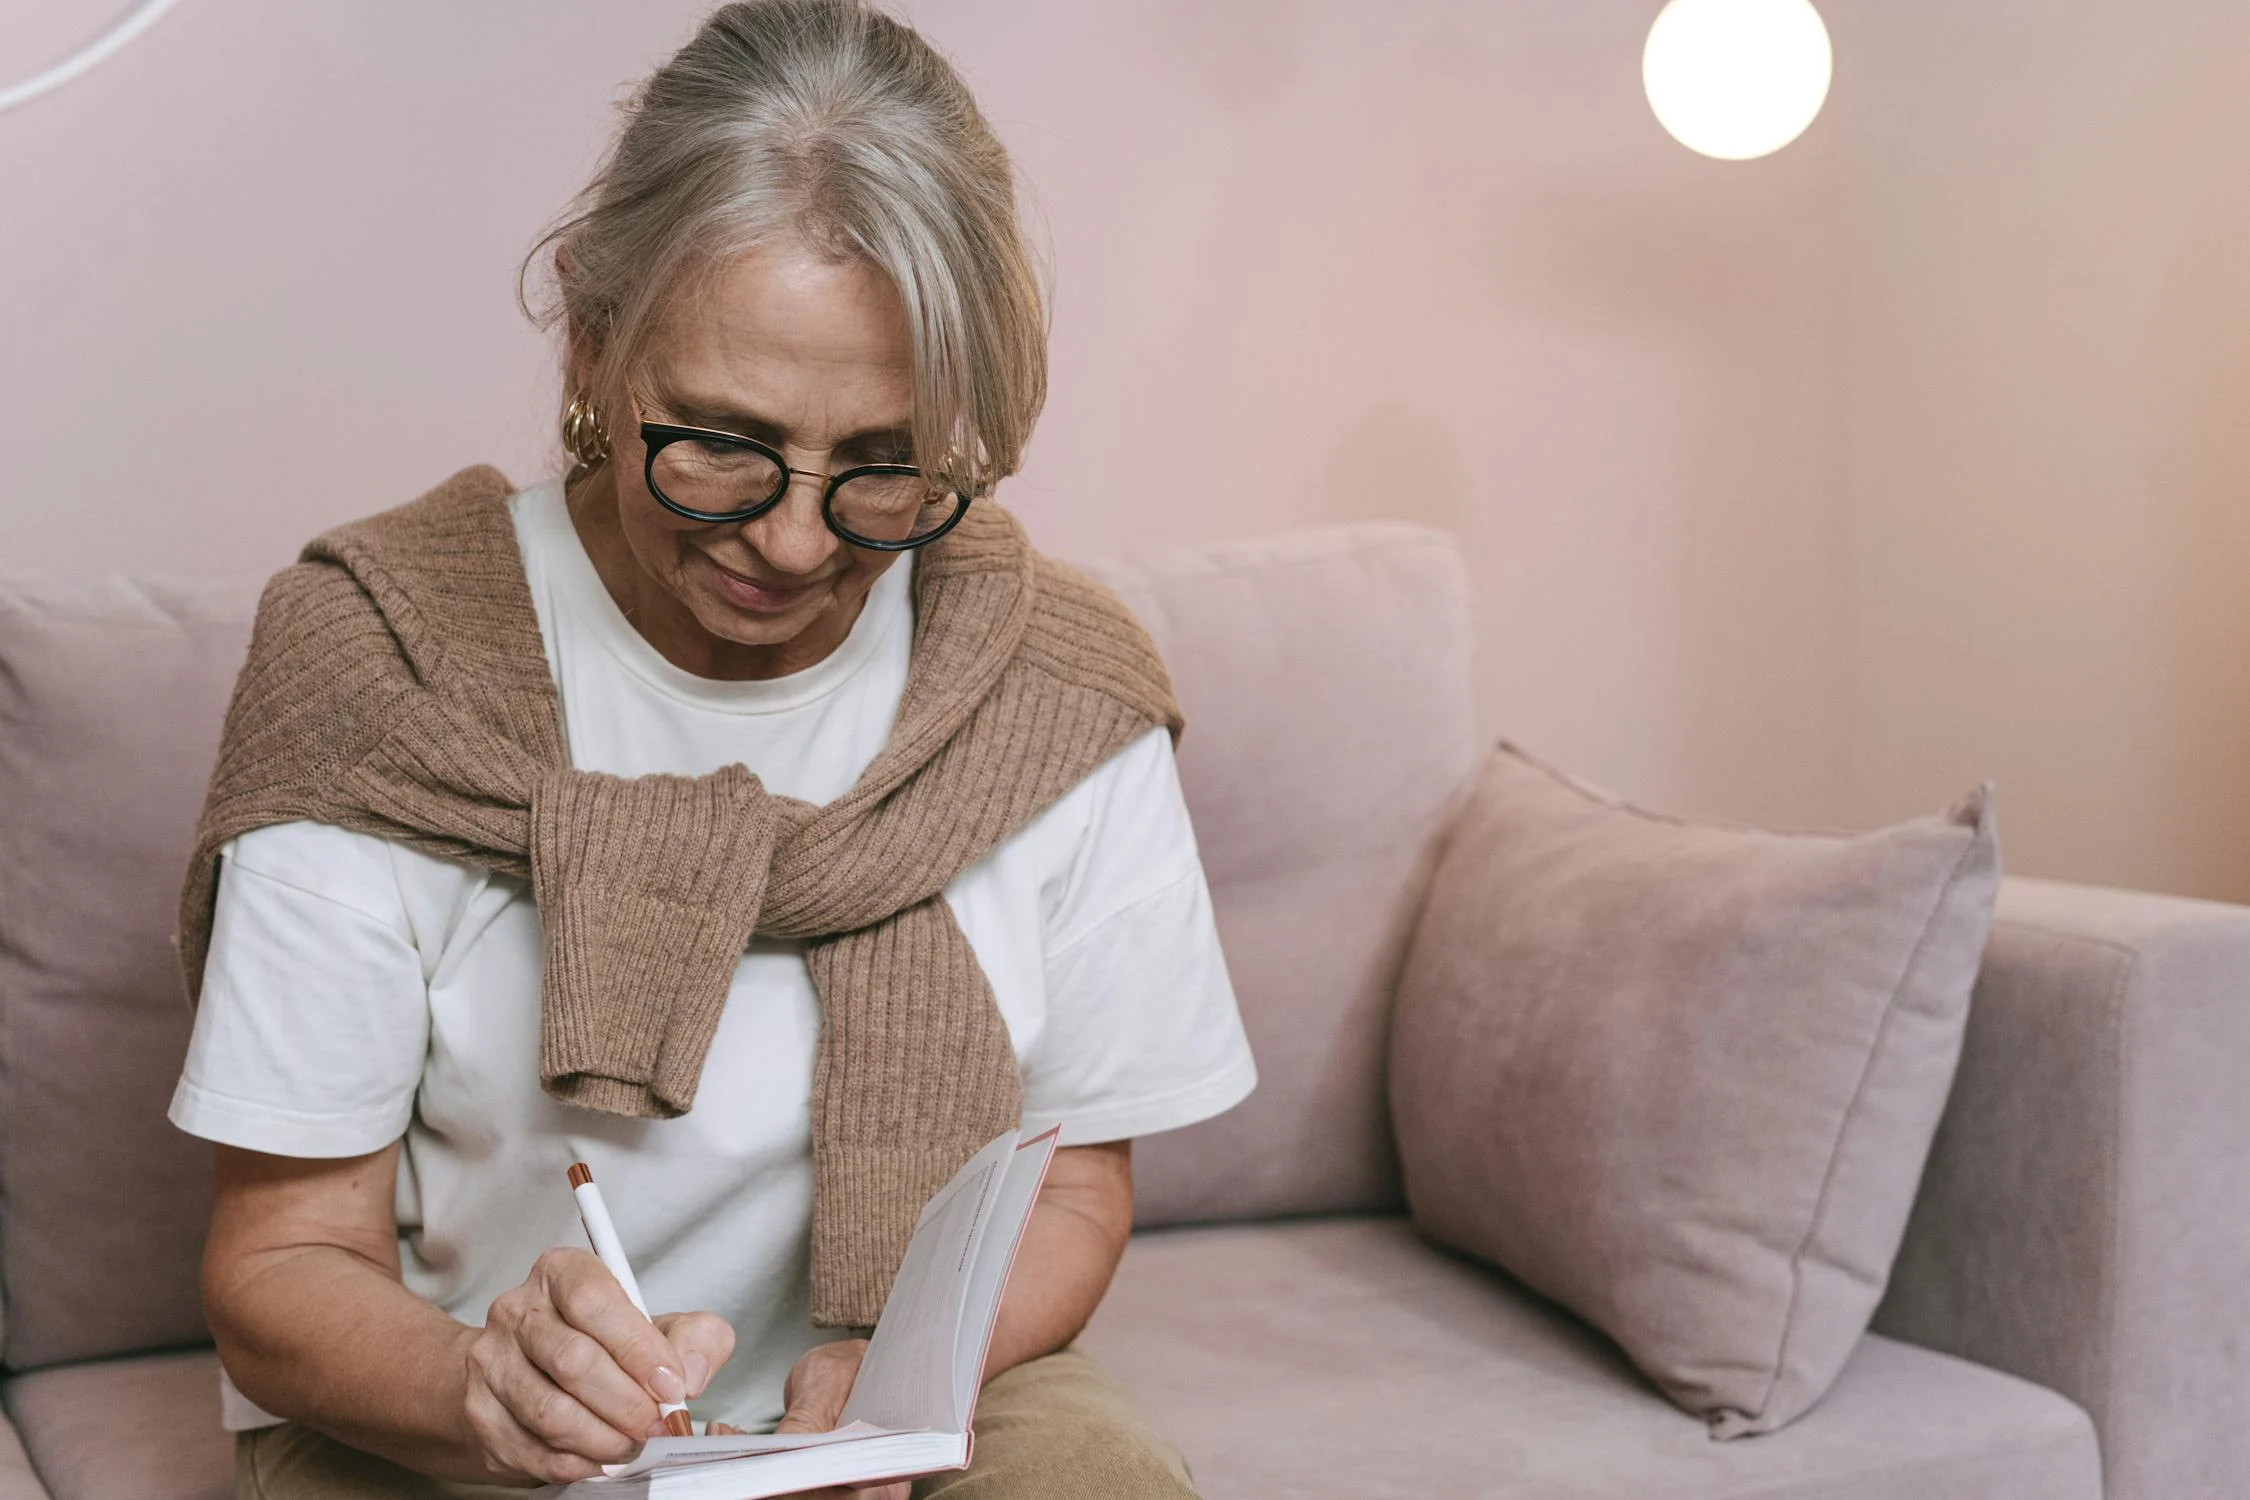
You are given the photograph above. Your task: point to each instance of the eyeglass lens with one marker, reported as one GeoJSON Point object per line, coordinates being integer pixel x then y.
{"type": "Point", "coordinates": [727, 478]}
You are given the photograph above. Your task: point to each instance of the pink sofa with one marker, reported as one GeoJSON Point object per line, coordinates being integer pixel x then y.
{"type": "Point", "coordinates": [2070, 1318]}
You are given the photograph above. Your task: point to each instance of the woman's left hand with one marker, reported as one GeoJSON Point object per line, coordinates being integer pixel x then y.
{"type": "Point", "coordinates": [814, 1395]}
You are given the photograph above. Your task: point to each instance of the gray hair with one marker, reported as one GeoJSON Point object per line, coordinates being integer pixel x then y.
{"type": "Point", "coordinates": [832, 122]}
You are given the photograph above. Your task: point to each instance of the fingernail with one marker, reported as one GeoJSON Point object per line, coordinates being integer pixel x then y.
{"type": "Point", "coordinates": [665, 1384]}
{"type": "Point", "coordinates": [698, 1373]}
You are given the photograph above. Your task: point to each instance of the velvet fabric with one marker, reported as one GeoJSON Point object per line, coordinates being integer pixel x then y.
{"type": "Point", "coordinates": [1320, 768]}
{"type": "Point", "coordinates": [141, 1428]}
{"type": "Point", "coordinates": [1682, 1077]}
{"type": "Point", "coordinates": [111, 694]}
{"type": "Point", "coordinates": [18, 1479]}
{"type": "Point", "coordinates": [2085, 1219]}
{"type": "Point", "coordinates": [1349, 1358]}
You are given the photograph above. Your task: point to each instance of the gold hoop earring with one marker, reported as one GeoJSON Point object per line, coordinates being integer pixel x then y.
{"type": "Point", "coordinates": [582, 433]}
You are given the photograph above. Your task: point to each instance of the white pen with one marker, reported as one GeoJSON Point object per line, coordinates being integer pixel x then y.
{"type": "Point", "coordinates": [594, 1214]}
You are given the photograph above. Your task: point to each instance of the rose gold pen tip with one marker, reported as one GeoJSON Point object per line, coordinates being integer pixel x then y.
{"type": "Point", "coordinates": [679, 1423]}
{"type": "Point", "coordinates": [580, 1174]}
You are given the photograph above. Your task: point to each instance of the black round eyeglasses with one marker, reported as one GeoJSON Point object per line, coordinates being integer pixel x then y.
{"type": "Point", "coordinates": [723, 477]}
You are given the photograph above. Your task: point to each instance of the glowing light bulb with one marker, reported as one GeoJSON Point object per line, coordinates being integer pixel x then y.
{"type": "Point", "coordinates": [1737, 78]}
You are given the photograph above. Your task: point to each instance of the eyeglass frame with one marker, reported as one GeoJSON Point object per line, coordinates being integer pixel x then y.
{"type": "Point", "coordinates": [657, 436]}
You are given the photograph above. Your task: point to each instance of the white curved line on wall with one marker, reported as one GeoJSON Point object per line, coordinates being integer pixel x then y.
{"type": "Point", "coordinates": [139, 19]}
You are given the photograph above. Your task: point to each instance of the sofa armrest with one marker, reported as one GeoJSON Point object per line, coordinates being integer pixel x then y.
{"type": "Point", "coordinates": [2085, 1218]}
{"type": "Point", "coordinates": [18, 1479]}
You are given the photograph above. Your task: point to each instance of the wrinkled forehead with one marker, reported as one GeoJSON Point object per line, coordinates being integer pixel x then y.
{"type": "Point", "coordinates": [789, 334]}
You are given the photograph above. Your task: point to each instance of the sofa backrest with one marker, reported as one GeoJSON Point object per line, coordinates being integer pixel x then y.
{"type": "Point", "coordinates": [1324, 678]}
{"type": "Point", "coordinates": [110, 699]}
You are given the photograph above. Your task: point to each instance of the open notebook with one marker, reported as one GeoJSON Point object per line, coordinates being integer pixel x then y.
{"type": "Point", "coordinates": [917, 1388]}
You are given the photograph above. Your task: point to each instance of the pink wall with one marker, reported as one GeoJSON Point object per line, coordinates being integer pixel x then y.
{"type": "Point", "coordinates": [2049, 426]}
{"type": "Point", "coordinates": [1317, 260]}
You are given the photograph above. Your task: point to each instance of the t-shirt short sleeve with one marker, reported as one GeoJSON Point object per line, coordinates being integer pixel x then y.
{"type": "Point", "coordinates": [314, 1020]}
{"type": "Point", "coordinates": [1142, 1032]}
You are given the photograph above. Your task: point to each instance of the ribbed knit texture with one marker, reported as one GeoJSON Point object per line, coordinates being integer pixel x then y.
{"type": "Point", "coordinates": [397, 685]}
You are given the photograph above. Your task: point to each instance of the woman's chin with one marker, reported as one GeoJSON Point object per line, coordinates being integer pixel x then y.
{"type": "Point", "coordinates": [727, 621]}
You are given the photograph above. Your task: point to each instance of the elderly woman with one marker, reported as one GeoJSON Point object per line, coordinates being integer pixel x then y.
{"type": "Point", "coordinates": [750, 814]}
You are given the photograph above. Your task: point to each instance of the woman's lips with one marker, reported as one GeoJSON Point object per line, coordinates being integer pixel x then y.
{"type": "Point", "coordinates": [761, 598]}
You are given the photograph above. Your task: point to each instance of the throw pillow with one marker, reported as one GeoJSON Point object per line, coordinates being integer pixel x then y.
{"type": "Point", "coordinates": [1682, 1077]}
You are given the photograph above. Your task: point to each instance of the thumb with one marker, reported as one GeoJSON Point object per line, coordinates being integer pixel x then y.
{"type": "Point", "coordinates": [812, 1410]}
{"type": "Point", "coordinates": [819, 1387]}
{"type": "Point", "coordinates": [703, 1340]}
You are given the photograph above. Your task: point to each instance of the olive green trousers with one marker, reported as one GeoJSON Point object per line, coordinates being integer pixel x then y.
{"type": "Point", "coordinates": [1056, 1428]}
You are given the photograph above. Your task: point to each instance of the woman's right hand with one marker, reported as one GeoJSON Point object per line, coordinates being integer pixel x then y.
{"type": "Point", "coordinates": [566, 1374]}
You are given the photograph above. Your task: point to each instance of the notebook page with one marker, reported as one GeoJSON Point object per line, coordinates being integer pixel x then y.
{"type": "Point", "coordinates": [868, 1461]}
{"type": "Point", "coordinates": [858, 1460]}
{"type": "Point", "coordinates": [1012, 1201]}
{"type": "Point", "coordinates": [681, 1452]}
{"type": "Point", "coordinates": [906, 1380]}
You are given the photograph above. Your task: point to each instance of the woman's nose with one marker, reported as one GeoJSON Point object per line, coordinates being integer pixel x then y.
{"type": "Point", "coordinates": [792, 536]}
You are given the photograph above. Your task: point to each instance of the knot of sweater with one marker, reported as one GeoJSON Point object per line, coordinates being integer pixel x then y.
{"type": "Point", "coordinates": [397, 685]}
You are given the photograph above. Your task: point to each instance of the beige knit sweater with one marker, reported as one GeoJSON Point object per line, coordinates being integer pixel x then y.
{"type": "Point", "coordinates": [397, 685]}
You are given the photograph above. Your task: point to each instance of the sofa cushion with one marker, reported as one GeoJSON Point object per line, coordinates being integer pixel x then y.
{"type": "Point", "coordinates": [110, 699]}
{"type": "Point", "coordinates": [1348, 1358]}
{"type": "Point", "coordinates": [1682, 1078]}
{"type": "Point", "coordinates": [18, 1479]}
{"type": "Point", "coordinates": [126, 1429]}
{"type": "Point", "coordinates": [1325, 679]}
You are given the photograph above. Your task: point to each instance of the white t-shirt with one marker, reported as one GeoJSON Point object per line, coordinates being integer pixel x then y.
{"type": "Point", "coordinates": [359, 992]}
